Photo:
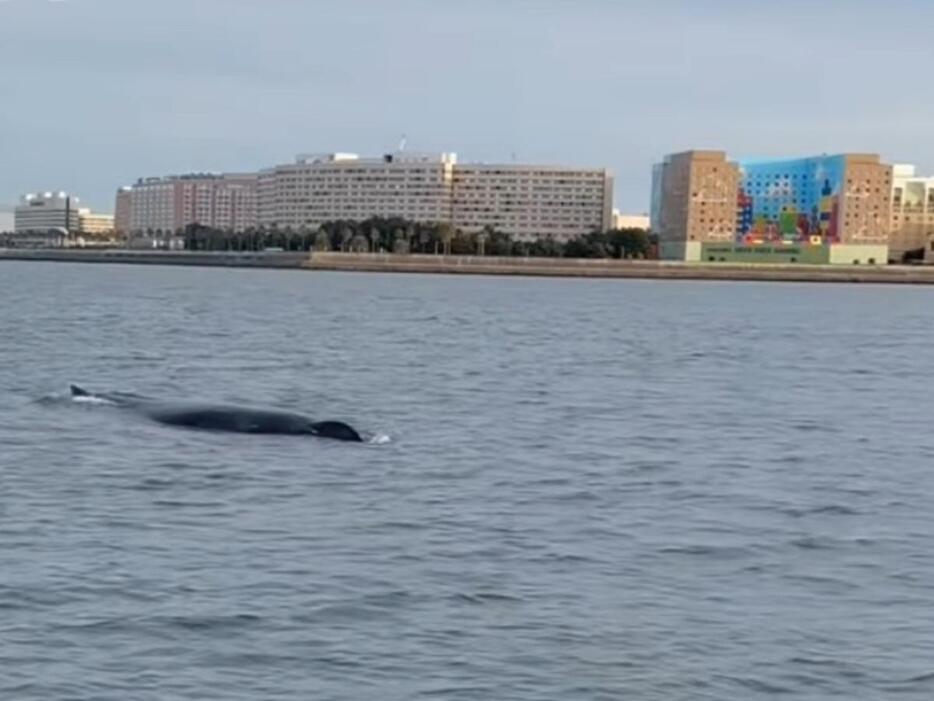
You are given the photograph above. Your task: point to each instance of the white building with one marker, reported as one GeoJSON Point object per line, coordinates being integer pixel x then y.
{"type": "Point", "coordinates": [530, 201]}
{"type": "Point", "coordinates": [41, 212]}
{"type": "Point", "coordinates": [95, 224]}
{"type": "Point", "coordinates": [169, 204]}
{"type": "Point", "coordinates": [912, 211]}
{"type": "Point", "coordinates": [631, 221]}
{"type": "Point", "coordinates": [321, 188]}
{"type": "Point", "coordinates": [7, 221]}
{"type": "Point", "coordinates": [525, 201]}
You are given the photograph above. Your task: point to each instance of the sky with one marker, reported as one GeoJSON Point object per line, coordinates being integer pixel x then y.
{"type": "Point", "coordinates": [96, 93]}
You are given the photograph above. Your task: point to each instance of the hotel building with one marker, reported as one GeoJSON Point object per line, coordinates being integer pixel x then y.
{"type": "Point", "coordinates": [631, 221]}
{"type": "Point", "coordinates": [529, 202]}
{"type": "Point", "coordinates": [524, 201]}
{"type": "Point", "coordinates": [825, 209]}
{"type": "Point", "coordinates": [95, 224]}
{"type": "Point", "coordinates": [123, 211]}
{"type": "Point", "coordinates": [42, 212]}
{"type": "Point", "coordinates": [327, 187]}
{"type": "Point", "coordinates": [912, 212]}
{"type": "Point", "coordinates": [169, 204]}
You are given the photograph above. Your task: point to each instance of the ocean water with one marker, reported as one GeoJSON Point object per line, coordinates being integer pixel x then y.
{"type": "Point", "coordinates": [591, 489]}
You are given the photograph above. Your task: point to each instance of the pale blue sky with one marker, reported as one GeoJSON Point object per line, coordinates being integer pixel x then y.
{"type": "Point", "coordinates": [94, 93]}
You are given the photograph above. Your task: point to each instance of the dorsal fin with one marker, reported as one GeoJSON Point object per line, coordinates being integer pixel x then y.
{"type": "Point", "coordinates": [78, 392]}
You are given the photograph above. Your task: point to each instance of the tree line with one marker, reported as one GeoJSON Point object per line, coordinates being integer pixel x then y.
{"type": "Point", "coordinates": [394, 235]}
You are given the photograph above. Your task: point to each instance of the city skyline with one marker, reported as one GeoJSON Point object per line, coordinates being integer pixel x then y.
{"type": "Point", "coordinates": [170, 87]}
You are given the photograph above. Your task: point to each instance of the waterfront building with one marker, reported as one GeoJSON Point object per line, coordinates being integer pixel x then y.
{"type": "Point", "coordinates": [694, 202]}
{"type": "Point", "coordinates": [41, 212]}
{"type": "Point", "coordinates": [320, 188]}
{"type": "Point", "coordinates": [912, 212]}
{"type": "Point", "coordinates": [530, 201]}
{"type": "Point", "coordinates": [169, 204]}
{"type": "Point", "coordinates": [95, 224]}
{"type": "Point", "coordinates": [524, 201]}
{"type": "Point", "coordinates": [123, 212]}
{"type": "Point", "coordinates": [823, 209]}
{"type": "Point", "coordinates": [50, 238]}
{"type": "Point", "coordinates": [631, 221]}
{"type": "Point", "coordinates": [7, 222]}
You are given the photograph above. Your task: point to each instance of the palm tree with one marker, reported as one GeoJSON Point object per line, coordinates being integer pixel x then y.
{"type": "Point", "coordinates": [446, 234]}
{"type": "Point", "coordinates": [482, 238]}
{"type": "Point", "coordinates": [322, 240]}
{"type": "Point", "coordinates": [346, 238]}
{"type": "Point", "coordinates": [359, 244]}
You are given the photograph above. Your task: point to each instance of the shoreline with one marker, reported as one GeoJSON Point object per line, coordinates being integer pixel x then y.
{"type": "Point", "coordinates": [488, 265]}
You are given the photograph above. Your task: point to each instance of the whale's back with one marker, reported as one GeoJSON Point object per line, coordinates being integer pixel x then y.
{"type": "Point", "coordinates": [224, 418]}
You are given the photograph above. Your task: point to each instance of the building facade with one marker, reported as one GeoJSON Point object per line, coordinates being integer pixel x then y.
{"type": "Point", "coordinates": [169, 204]}
{"type": "Point", "coordinates": [95, 224]}
{"type": "Point", "coordinates": [123, 211]}
{"type": "Point", "coordinates": [42, 212]}
{"type": "Point", "coordinates": [523, 201]}
{"type": "Point", "coordinates": [529, 202]}
{"type": "Point", "coordinates": [825, 209]}
{"type": "Point", "coordinates": [327, 187]}
{"type": "Point", "coordinates": [631, 221]}
{"type": "Point", "coordinates": [912, 212]}
{"type": "Point", "coordinates": [52, 238]}
{"type": "Point", "coordinates": [694, 202]}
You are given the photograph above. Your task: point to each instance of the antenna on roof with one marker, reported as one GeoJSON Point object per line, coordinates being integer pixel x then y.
{"type": "Point", "coordinates": [402, 144]}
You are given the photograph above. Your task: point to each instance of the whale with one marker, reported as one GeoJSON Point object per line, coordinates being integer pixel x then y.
{"type": "Point", "coordinates": [219, 417]}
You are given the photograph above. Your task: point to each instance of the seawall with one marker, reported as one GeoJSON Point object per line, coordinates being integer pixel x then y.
{"type": "Point", "coordinates": [258, 259]}
{"type": "Point", "coordinates": [490, 265]}
{"type": "Point", "coordinates": [644, 269]}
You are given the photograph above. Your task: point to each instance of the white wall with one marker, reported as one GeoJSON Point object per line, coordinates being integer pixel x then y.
{"type": "Point", "coordinates": [6, 221]}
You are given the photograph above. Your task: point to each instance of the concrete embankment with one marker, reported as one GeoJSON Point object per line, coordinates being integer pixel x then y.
{"type": "Point", "coordinates": [258, 259]}
{"type": "Point", "coordinates": [489, 265]}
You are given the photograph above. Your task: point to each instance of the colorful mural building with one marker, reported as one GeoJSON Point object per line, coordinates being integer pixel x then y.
{"type": "Point", "coordinates": [823, 209]}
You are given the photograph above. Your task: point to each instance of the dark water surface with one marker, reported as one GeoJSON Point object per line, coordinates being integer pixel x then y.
{"type": "Point", "coordinates": [594, 489]}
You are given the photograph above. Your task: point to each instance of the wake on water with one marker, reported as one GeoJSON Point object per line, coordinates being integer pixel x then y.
{"type": "Point", "coordinates": [93, 400]}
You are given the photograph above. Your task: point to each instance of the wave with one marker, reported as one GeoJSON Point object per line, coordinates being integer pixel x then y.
{"type": "Point", "coordinates": [91, 399]}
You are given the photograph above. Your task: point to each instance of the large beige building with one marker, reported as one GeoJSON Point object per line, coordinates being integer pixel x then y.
{"type": "Point", "coordinates": [912, 212]}
{"type": "Point", "coordinates": [327, 187]}
{"type": "Point", "coordinates": [528, 201]}
{"type": "Point", "coordinates": [631, 221]}
{"type": "Point", "coordinates": [522, 200]}
{"type": "Point", "coordinates": [95, 224]}
{"type": "Point", "coordinates": [694, 202]}
{"type": "Point", "coordinates": [169, 204]}
{"type": "Point", "coordinates": [832, 209]}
